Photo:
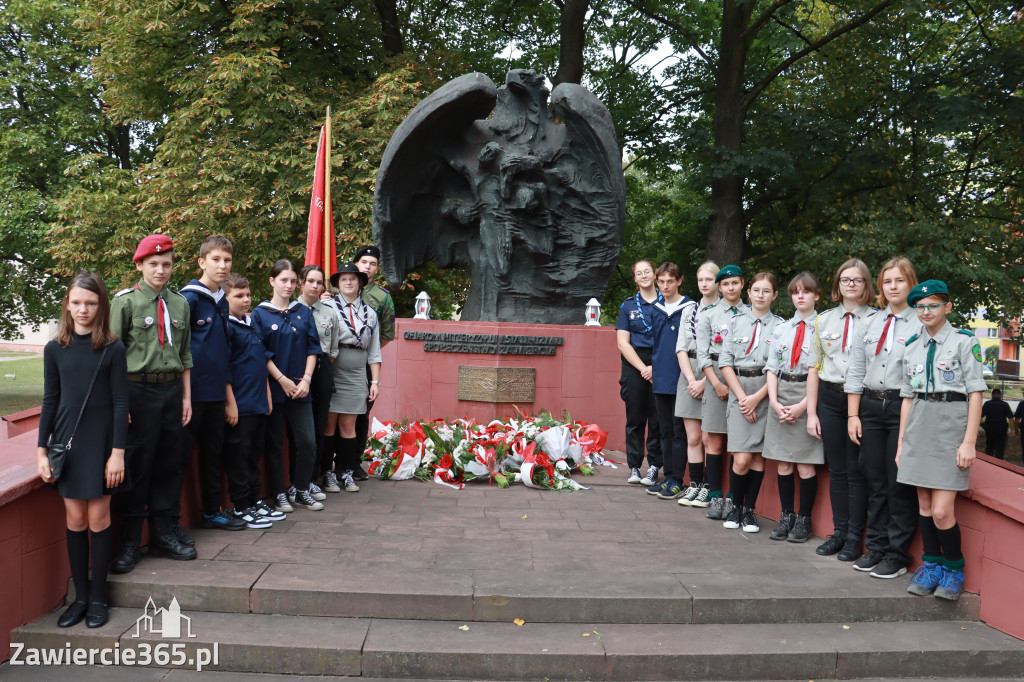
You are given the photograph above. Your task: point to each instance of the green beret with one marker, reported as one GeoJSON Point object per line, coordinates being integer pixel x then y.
{"type": "Point", "coordinates": [925, 289]}
{"type": "Point", "coordinates": [728, 271]}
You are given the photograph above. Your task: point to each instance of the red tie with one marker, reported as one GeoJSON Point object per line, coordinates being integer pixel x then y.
{"type": "Point", "coordinates": [753, 339]}
{"type": "Point", "coordinates": [798, 342]}
{"type": "Point", "coordinates": [885, 333]}
{"type": "Point", "coordinates": [161, 311]}
{"type": "Point", "coordinates": [846, 329]}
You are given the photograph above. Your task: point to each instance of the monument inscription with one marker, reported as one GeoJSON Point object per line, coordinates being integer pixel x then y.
{"type": "Point", "coordinates": [492, 344]}
{"type": "Point", "coordinates": [497, 384]}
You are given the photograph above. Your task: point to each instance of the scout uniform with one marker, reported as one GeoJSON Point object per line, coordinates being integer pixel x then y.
{"type": "Point", "coordinates": [789, 360]}
{"type": "Point", "coordinates": [670, 321]}
{"type": "Point", "coordinates": [636, 315]}
{"type": "Point", "coordinates": [876, 372]}
{"type": "Point", "coordinates": [688, 407]}
{"type": "Point", "coordinates": [833, 339]}
{"type": "Point", "coordinates": [208, 315]}
{"type": "Point", "coordinates": [712, 332]}
{"type": "Point", "coordinates": [155, 330]}
{"type": "Point", "coordinates": [746, 348]}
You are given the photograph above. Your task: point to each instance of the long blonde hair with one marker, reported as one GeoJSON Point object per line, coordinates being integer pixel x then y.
{"type": "Point", "coordinates": [905, 267]}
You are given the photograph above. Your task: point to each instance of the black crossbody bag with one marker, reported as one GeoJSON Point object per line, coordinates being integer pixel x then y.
{"type": "Point", "coordinates": [57, 452]}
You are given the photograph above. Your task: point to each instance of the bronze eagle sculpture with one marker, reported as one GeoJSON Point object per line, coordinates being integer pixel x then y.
{"type": "Point", "coordinates": [530, 200]}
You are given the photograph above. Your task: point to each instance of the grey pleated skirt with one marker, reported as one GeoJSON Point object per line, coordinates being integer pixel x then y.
{"type": "Point", "coordinates": [713, 408]}
{"type": "Point", "coordinates": [687, 407]}
{"type": "Point", "coordinates": [933, 434]}
{"type": "Point", "coordinates": [744, 436]}
{"type": "Point", "coordinates": [350, 389]}
{"type": "Point", "coordinates": [790, 442]}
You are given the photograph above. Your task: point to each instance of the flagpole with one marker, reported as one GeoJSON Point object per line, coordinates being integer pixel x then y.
{"type": "Point", "coordinates": [328, 210]}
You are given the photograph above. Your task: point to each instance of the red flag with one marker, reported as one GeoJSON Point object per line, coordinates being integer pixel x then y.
{"type": "Point", "coordinates": [320, 245]}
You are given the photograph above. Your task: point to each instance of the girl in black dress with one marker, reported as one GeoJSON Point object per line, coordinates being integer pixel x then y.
{"type": "Point", "coordinates": [94, 464]}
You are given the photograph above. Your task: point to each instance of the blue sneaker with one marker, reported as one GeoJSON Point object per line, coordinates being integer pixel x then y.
{"type": "Point", "coordinates": [222, 520]}
{"type": "Point", "coordinates": [950, 585]}
{"type": "Point", "coordinates": [925, 579]}
{"type": "Point", "coordinates": [671, 490]}
{"type": "Point", "coordinates": [658, 487]}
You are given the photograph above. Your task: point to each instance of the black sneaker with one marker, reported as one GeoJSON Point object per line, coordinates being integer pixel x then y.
{"type": "Point", "coordinates": [252, 518]}
{"type": "Point", "coordinates": [781, 531]}
{"type": "Point", "coordinates": [889, 567]}
{"type": "Point", "coordinates": [868, 562]}
{"type": "Point", "coordinates": [222, 520]}
{"type": "Point", "coordinates": [832, 544]}
{"type": "Point", "coordinates": [801, 530]}
{"type": "Point", "coordinates": [748, 522]}
{"type": "Point", "coordinates": [851, 551]}
{"type": "Point", "coordinates": [715, 511]}
{"type": "Point", "coordinates": [733, 519]}
{"type": "Point", "coordinates": [359, 474]}
{"type": "Point", "coordinates": [671, 490]}
{"type": "Point", "coordinates": [657, 487]}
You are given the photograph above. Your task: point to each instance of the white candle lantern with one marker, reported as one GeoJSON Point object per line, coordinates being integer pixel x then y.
{"type": "Point", "coordinates": [593, 311]}
{"type": "Point", "coordinates": [422, 306]}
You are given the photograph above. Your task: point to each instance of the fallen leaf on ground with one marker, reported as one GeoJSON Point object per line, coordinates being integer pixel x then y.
{"type": "Point", "coordinates": [846, 627]}
{"type": "Point", "coordinates": [586, 634]}
{"type": "Point", "coordinates": [519, 621]}
{"type": "Point", "coordinates": [524, 516]}
{"type": "Point", "coordinates": [463, 627]}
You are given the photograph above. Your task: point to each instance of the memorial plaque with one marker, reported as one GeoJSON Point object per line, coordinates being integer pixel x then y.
{"type": "Point", "coordinates": [497, 384]}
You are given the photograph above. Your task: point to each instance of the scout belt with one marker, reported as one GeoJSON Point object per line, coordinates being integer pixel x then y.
{"type": "Point", "coordinates": [946, 397]}
{"type": "Point", "coordinates": [748, 372]}
{"type": "Point", "coordinates": [161, 378]}
{"type": "Point", "coordinates": [832, 386]}
{"type": "Point", "coordinates": [893, 394]}
{"type": "Point", "coordinates": [795, 378]}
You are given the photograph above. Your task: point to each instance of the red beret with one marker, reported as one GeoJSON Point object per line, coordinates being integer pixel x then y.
{"type": "Point", "coordinates": [152, 245]}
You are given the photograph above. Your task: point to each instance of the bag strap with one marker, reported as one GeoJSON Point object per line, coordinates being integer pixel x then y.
{"type": "Point", "coordinates": [92, 383]}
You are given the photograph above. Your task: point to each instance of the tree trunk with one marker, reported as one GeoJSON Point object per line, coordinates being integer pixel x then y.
{"type": "Point", "coordinates": [572, 41]}
{"type": "Point", "coordinates": [390, 29]}
{"type": "Point", "coordinates": [119, 142]}
{"type": "Point", "coordinates": [727, 229]}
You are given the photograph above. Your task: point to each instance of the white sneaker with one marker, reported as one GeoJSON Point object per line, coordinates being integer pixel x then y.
{"type": "Point", "coordinates": [268, 512]}
{"type": "Point", "coordinates": [282, 503]}
{"type": "Point", "coordinates": [634, 475]}
{"type": "Point", "coordinates": [252, 519]}
{"type": "Point", "coordinates": [349, 482]}
{"type": "Point", "coordinates": [651, 478]}
{"type": "Point", "coordinates": [331, 483]}
{"type": "Point", "coordinates": [689, 495]}
{"type": "Point", "coordinates": [292, 492]}
{"type": "Point", "coordinates": [316, 493]}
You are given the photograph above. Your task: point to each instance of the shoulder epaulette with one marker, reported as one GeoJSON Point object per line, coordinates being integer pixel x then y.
{"type": "Point", "coordinates": [180, 294]}
{"type": "Point", "coordinates": [911, 340]}
{"type": "Point", "coordinates": [124, 291]}
{"type": "Point", "coordinates": [965, 332]}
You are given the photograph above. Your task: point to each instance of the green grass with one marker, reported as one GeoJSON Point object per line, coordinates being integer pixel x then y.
{"type": "Point", "coordinates": [26, 390]}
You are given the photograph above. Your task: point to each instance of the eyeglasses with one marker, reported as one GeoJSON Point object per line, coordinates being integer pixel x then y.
{"type": "Point", "coordinates": [847, 281]}
{"type": "Point", "coordinates": [930, 307]}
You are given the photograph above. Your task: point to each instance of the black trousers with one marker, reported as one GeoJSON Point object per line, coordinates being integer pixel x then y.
{"type": "Point", "coordinates": [995, 442]}
{"type": "Point", "coordinates": [892, 506]}
{"type": "Point", "coordinates": [847, 487]}
{"type": "Point", "coordinates": [300, 417]}
{"type": "Point", "coordinates": [153, 452]}
{"type": "Point", "coordinates": [243, 449]}
{"type": "Point", "coordinates": [320, 389]}
{"type": "Point", "coordinates": [673, 437]}
{"type": "Point", "coordinates": [641, 414]}
{"type": "Point", "coordinates": [207, 429]}
{"type": "Point", "coordinates": [362, 428]}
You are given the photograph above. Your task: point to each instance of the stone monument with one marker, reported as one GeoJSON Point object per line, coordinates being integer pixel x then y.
{"type": "Point", "coordinates": [528, 197]}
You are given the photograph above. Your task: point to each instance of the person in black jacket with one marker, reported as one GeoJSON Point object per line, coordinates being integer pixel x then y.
{"type": "Point", "coordinates": [996, 417]}
{"type": "Point", "coordinates": [94, 425]}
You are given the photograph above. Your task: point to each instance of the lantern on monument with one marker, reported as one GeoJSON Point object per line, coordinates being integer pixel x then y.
{"type": "Point", "coordinates": [593, 313]}
{"type": "Point", "coordinates": [422, 306]}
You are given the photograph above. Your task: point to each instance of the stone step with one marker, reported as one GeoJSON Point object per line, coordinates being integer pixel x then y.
{"type": "Point", "coordinates": [489, 595]}
{"type": "Point", "coordinates": [422, 649]}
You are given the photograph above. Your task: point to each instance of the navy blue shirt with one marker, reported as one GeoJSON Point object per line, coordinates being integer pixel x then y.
{"type": "Point", "coordinates": [208, 314]}
{"type": "Point", "coordinates": [291, 336]}
{"type": "Point", "coordinates": [248, 372]}
{"type": "Point", "coordinates": [664, 362]}
{"type": "Point", "coordinates": [638, 320]}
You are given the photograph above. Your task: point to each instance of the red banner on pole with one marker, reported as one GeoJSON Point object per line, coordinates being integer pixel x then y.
{"type": "Point", "coordinates": [320, 244]}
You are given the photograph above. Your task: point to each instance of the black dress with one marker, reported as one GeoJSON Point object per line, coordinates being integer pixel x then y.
{"type": "Point", "coordinates": [104, 425]}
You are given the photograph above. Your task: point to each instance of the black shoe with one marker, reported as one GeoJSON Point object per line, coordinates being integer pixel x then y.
{"type": "Point", "coordinates": [833, 544]}
{"type": "Point", "coordinates": [360, 474]}
{"type": "Point", "coordinates": [96, 616]}
{"type": "Point", "coordinates": [164, 542]}
{"type": "Point", "coordinates": [851, 551]}
{"type": "Point", "coordinates": [72, 615]}
{"type": "Point", "coordinates": [888, 568]}
{"type": "Point", "coordinates": [127, 558]}
{"type": "Point", "coordinates": [781, 531]}
{"type": "Point", "coordinates": [868, 562]}
{"type": "Point", "coordinates": [801, 529]}
{"type": "Point", "coordinates": [183, 537]}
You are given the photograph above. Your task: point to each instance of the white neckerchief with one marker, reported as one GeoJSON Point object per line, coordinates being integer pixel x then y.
{"type": "Point", "coordinates": [247, 321]}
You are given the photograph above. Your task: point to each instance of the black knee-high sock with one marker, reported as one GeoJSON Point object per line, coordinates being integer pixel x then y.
{"type": "Point", "coordinates": [696, 472]}
{"type": "Point", "coordinates": [949, 540]}
{"type": "Point", "coordinates": [348, 453]}
{"type": "Point", "coordinates": [932, 550]}
{"type": "Point", "coordinates": [102, 542]}
{"type": "Point", "coordinates": [808, 491]}
{"type": "Point", "coordinates": [78, 557]}
{"type": "Point", "coordinates": [787, 490]}
{"type": "Point", "coordinates": [713, 472]}
{"type": "Point", "coordinates": [754, 479]}
{"type": "Point", "coordinates": [737, 486]}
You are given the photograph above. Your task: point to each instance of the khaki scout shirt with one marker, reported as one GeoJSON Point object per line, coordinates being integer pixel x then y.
{"type": "Point", "coordinates": [830, 358]}
{"type": "Point", "coordinates": [882, 372]}
{"type": "Point", "coordinates": [781, 355]}
{"type": "Point", "coordinates": [325, 319]}
{"type": "Point", "coordinates": [713, 330]}
{"type": "Point", "coordinates": [742, 334]}
{"type": "Point", "coordinates": [133, 317]}
{"type": "Point", "coordinates": [380, 300]}
{"type": "Point", "coordinates": [956, 365]}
